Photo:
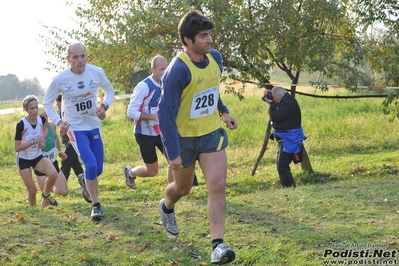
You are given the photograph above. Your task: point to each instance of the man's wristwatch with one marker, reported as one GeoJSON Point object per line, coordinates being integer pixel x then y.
{"type": "Point", "coordinates": [32, 142]}
{"type": "Point", "coordinates": [105, 105]}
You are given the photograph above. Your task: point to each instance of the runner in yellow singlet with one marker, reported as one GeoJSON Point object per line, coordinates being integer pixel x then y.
{"type": "Point", "coordinates": [190, 118]}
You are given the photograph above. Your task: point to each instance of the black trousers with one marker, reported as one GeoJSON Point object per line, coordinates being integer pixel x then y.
{"type": "Point", "coordinates": [283, 161]}
{"type": "Point", "coordinates": [71, 162]}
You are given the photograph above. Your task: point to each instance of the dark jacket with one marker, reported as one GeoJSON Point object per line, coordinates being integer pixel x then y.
{"type": "Point", "coordinates": [286, 114]}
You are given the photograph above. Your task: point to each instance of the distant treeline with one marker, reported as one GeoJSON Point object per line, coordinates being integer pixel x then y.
{"type": "Point", "coordinates": [11, 88]}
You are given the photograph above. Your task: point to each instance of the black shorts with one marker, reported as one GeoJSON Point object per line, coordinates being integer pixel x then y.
{"type": "Point", "coordinates": [147, 146]}
{"type": "Point", "coordinates": [24, 163]}
{"type": "Point", "coordinates": [55, 163]}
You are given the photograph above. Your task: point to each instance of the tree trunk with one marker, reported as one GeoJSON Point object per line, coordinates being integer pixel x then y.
{"type": "Point", "coordinates": [305, 164]}
{"type": "Point", "coordinates": [264, 147]}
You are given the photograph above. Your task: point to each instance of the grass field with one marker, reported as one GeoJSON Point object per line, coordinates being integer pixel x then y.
{"type": "Point", "coordinates": [349, 204]}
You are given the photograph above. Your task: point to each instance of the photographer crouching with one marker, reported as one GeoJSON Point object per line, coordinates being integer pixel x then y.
{"type": "Point", "coordinates": [285, 116]}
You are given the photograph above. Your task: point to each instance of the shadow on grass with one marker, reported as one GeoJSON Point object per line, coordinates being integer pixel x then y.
{"type": "Point", "coordinates": [247, 185]}
{"type": "Point", "coordinates": [304, 178]}
{"type": "Point", "coordinates": [354, 148]}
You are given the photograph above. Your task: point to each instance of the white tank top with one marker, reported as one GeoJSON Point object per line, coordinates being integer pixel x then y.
{"type": "Point", "coordinates": [31, 133]}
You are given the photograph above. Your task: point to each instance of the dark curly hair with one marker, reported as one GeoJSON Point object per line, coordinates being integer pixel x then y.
{"type": "Point", "coordinates": [192, 23]}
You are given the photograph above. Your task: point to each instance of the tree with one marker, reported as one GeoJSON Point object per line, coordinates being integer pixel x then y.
{"type": "Point", "coordinates": [12, 88]}
{"type": "Point", "coordinates": [380, 18]}
{"type": "Point", "coordinates": [254, 36]}
{"type": "Point", "coordinates": [31, 86]}
{"type": "Point", "coordinates": [9, 87]}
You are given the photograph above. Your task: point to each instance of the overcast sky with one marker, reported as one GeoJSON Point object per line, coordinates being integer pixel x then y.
{"type": "Point", "coordinates": [21, 52]}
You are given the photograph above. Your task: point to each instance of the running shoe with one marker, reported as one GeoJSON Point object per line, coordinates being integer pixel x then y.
{"type": "Point", "coordinates": [46, 201]}
{"type": "Point", "coordinates": [96, 213]}
{"type": "Point", "coordinates": [222, 255]}
{"type": "Point", "coordinates": [52, 201]}
{"type": "Point", "coordinates": [169, 220]}
{"type": "Point", "coordinates": [85, 193]}
{"type": "Point", "coordinates": [130, 180]}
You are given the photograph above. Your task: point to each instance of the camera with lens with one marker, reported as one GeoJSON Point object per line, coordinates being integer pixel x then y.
{"type": "Point", "coordinates": [268, 96]}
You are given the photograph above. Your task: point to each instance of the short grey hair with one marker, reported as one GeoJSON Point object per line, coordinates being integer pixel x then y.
{"type": "Point", "coordinates": [155, 60]}
{"type": "Point", "coordinates": [73, 45]}
{"type": "Point", "coordinates": [27, 100]}
{"type": "Point", "coordinates": [279, 90]}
